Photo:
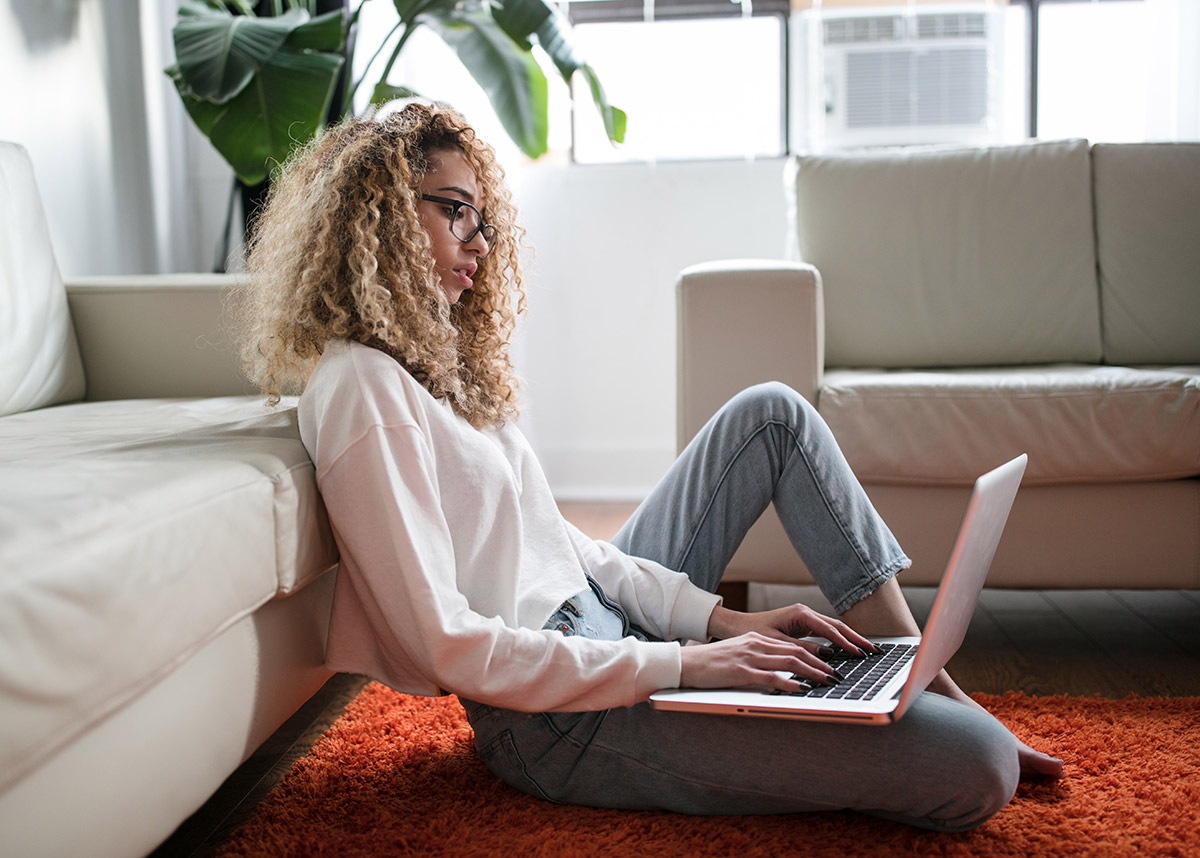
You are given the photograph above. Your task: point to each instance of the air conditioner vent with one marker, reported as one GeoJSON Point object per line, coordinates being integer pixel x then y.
{"type": "Point", "coordinates": [866, 28]}
{"type": "Point", "coordinates": [907, 75]}
{"type": "Point", "coordinates": [916, 88]}
{"type": "Point", "coordinates": [950, 26]}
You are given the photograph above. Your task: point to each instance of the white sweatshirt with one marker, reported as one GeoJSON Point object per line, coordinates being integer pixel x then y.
{"type": "Point", "coordinates": [454, 554]}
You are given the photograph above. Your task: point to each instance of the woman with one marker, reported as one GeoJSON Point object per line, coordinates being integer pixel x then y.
{"type": "Point", "coordinates": [383, 280]}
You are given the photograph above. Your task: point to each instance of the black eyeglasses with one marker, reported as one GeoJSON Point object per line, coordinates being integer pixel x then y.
{"type": "Point", "coordinates": [465, 221]}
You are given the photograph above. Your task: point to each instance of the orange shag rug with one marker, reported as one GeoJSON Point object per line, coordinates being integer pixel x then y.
{"type": "Point", "coordinates": [398, 776]}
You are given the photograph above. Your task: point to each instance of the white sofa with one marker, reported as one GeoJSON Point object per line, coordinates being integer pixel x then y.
{"type": "Point", "coordinates": [166, 566]}
{"type": "Point", "coordinates": [955, 307]}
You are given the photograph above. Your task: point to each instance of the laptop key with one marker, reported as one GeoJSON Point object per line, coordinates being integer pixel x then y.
{"type": "Point", "coordinates": [861, 675]}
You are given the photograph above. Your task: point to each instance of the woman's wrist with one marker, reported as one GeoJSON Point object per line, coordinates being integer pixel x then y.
{"type": "Point", "coordinates": [722, 623]}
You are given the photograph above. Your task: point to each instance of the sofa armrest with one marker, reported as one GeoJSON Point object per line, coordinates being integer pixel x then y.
{"type": "Point", "coordinates": [161, 335]}
{"type": "Point", "coordinates": [741, 322]}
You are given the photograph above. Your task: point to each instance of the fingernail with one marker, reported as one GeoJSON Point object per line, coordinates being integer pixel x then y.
{"type": "Point", "coordinates": [830, 679]}
{"type": "Point", "coordinates": [837, 674]}
{"type": "Point", "coordinates": [826, 652]}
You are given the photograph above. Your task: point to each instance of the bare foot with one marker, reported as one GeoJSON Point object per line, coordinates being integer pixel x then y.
{"type": "Point", "coordinates": [1033, 763]}
{"type": "Point", "coordinates": [1036, 764]}
{"type": "Point", "coordinates": [885, 612]}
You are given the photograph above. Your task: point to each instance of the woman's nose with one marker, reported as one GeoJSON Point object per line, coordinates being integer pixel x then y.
{"type": "Point", "coordinates": [478, 245]}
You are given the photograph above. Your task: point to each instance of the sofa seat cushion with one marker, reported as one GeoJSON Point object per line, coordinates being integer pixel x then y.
{"type": "Point", "coordinates": [131, 534]}
{"type": "Point", "coordinates": [1079, 424]}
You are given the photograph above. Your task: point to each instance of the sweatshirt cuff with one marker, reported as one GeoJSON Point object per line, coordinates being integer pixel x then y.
{"type": "Point", "coordinates": [662, 669]}
{"type": "Point", "coordinates": [690, 614]}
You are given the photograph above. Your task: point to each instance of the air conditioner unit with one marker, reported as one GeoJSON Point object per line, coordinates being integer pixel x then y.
{"type": "Point", "coordinates": [911, 75]}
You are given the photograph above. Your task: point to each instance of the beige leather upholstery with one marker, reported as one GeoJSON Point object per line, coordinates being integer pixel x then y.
{"type": "Point", "coordinates": [962, 321]}
{"type": "Point", "coordinates": [155, 335]}
{"type": "Point", "coordinates": [169, 520]}
{"type": "Point", "coordinates": [39, 361]}
{"type": "Point", "coordinates": [725, 301]}
{"type": "Point", "coordinates": [1149, 255]}
{"type": "Point", "coordinates": [1079, 424]}
{"type": "Point", "coordinates": [1113, 535]}
{"type": "Point", "coordinates": [165, 559]}
{"type": "Point", "coordinates": [126, 784]}
{"type": "Point", "coordinates": [937, 257]}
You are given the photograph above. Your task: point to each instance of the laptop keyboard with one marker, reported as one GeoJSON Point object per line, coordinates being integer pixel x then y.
{"type": "Point", "coordinates": [864, 675]}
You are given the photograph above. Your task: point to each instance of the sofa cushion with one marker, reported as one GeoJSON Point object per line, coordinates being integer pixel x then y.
{"type": "Point", "coordinates": [1078, 424]}
{"type": "Point", "coordinates": [952, 257]}
{"type": "Point", "coordinates": [131, 534]}
{"type": "Point", "coordinates": [39, 359]}
{"type": "Point", "coordinates": [1148, 244]}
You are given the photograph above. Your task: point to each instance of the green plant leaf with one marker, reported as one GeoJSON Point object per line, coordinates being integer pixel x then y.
{"type": "Point", "coordinates": [203, 113]}
{"type": "Point", "coordinates": [323, 33]}
{"type": "Point", "coordinates": [283, 107]}
{"type": "Point", "coordinates": [410, 10]}
{"type": "Point", "coordinates": [385, 92]}
{"type": "Point", "coordinates": [554, 36]}
{"type": "Point", "coordinates": [219, 53]}
{"type": "Point", "coordinates": [510, 76]}
{"type": "Point", "coordinates": [201, 7]}
{"type": "Point", "coordinates": [522, 19]}
{"type": "Point", "coordinates": [614, 117]}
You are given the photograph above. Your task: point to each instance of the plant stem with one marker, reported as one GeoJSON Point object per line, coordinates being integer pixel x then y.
{"type": "Point", "coordinates": [374, 56]}
{"type": "Point", "coordinates": [409, 29]}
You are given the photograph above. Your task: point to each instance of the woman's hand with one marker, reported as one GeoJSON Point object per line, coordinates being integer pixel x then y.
{"type": "Point", "coordinates": [751, 659]}
{"type": "Point", "coordinates": [751, 648]}
{"type": "Point", "coordinates": [789, 623]}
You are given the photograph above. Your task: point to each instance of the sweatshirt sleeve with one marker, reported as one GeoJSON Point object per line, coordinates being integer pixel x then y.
{"type": "Point", "coordinates": [661, 601]}
{"type": "Point", "coordinates": [398, 611]}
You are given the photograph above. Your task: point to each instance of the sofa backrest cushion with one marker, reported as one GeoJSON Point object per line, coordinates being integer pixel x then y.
{"type": "Point", "coordinates": [952, 257]}
{"type": "Point", "coordinates": [1148, 244]}
{"type": "Point", "coordinates": [39, 357]}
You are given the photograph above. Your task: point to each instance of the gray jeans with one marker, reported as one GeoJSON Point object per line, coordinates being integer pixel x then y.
{"type": "Point", "coordinates": [944, 765]}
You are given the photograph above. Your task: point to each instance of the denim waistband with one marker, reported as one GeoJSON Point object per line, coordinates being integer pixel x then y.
{"type": "Point", "coordinates": [591, 614]}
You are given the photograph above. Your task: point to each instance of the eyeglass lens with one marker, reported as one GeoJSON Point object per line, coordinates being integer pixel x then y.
{"type": "Point", "coordinates": [466, 221]}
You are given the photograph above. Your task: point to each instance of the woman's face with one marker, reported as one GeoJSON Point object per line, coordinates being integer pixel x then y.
{"type": "Point", "coordinates": [451, 177]}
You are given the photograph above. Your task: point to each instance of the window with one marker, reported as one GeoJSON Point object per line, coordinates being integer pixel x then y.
{"type": "Point", "coordinates": [704, 79]}
{"type": "Point", "coordinates": [1113, 70]}
{"type": "Point", "coordinates": [697, 79]}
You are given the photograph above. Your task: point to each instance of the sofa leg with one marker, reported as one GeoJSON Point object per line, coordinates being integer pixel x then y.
{"type": "Point", "coordinates": [735, 593]}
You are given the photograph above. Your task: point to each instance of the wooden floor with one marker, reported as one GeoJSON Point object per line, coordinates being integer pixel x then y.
{"type": "Point", "coordinates": [1111, 643]}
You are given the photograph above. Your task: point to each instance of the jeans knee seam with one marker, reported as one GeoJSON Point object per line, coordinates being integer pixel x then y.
{"type": "Point", "coordinates": [875, 577]}
{"type": "Point", "coordinates": [695, 531]}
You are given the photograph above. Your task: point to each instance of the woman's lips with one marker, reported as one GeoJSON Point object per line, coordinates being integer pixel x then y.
{"type": "Point", "coordinates": [464, 276]}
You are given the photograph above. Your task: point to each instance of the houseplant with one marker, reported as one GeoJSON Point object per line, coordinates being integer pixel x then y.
{"type": "Point", "coordinates": [260, 79]}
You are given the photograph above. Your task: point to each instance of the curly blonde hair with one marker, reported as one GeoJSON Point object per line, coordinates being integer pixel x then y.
{"type": "Point", "coordinates": [339, 253]}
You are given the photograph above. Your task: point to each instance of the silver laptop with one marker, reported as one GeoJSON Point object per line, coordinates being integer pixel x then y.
{"type": "Point", "coordinates": [880, 688]}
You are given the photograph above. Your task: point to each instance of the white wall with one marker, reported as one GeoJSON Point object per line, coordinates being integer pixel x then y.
{"type": "Point", "coordinates": [68, 72]}
{"type": "Point", "coordinates": [598, 345]}
{"type": "Point", "coordinates": [127, 184]}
